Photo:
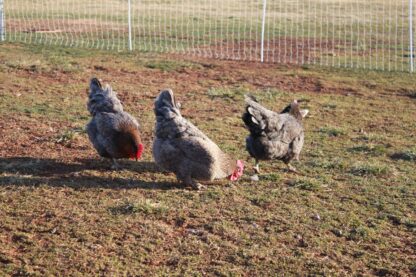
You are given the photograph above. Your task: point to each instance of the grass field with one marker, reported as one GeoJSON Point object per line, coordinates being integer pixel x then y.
{"type": "Point", "coordinates": [64, 213]}
{"type": "Point", "coordinates": [343, 33]}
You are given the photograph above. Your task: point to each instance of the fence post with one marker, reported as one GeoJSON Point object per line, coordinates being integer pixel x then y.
{"type": "Point", "coordinates": [411, 34]}
{"type": "Point", "coordinates": [129, 19]}
{"type": "Point", "coordinates": [2, 22]}
{"type": "Point", "coordinates": [263, 26]}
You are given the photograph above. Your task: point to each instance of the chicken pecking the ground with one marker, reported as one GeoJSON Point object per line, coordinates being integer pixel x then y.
{"type": "Point", "coordinates": [114, 133]}
{"type": "Point", "coordinates": [180, 147]}
{"type": "Point", "coordinates": [274, 135]}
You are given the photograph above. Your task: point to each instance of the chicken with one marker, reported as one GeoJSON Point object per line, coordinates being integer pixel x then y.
{"type": "Point", "coordinates": [180, 147]}
{"type": "Point", "coordinates": [114, 133]}
{"type": "Point", "coordinates": [273, 135]}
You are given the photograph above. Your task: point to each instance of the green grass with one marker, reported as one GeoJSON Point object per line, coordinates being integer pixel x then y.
{"type": "Point", "coordinates": [374, 150]}
{"type": "Point", "coordinates": [146, 207]}
{"type": "Point", "coordinates": [369, 170]}
{"type": "Point", "coordinates": [350, 210]}
{"type": "Point", "coordinates": [331, 131]}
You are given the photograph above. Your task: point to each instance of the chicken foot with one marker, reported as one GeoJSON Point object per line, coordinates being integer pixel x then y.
{"type": "Point", "coordinates": [291, 168]}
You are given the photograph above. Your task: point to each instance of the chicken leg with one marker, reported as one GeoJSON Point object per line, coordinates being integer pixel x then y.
{"type": "Point", "coordinates": [188, 181]}
{"type": "Point", "coordinates": [257, 167]}
{"type": "Point", "coordinates": [115, 165]}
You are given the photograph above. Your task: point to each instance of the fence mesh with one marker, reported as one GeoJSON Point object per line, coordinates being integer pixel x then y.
{"type": "Point", "coordinates": [372, 34]}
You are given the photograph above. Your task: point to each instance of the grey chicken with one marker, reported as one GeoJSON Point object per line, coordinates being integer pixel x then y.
{"type": "Point", "coordinates": [114, 133]}
{"type": "Point", "coordinates": [273, 135]}
{"type": "Point", "coordinates": [180, 147]}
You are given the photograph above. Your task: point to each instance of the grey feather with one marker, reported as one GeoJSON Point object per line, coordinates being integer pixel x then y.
{"type": "Point", "coordinates": [110, 126]}
{"type": "Point", "coordinates": [272, 135]}
{"type": "Point", "coordinates": [103, 129]}
{"type": "Point", "coordinates": [102, 100]}
{"type": "Point", "coordinates": [180, 147]}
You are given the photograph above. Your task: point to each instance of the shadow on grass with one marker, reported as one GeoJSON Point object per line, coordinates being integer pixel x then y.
{"type": "Point", "coordinates": [104, 165]}
{"type": "Point", "coordinates": [28, 171]}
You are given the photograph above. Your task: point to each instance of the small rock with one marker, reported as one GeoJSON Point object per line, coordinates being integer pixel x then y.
{"type": "Point", "coordinates": [316, 217]}
{"type": "Point", "coordinates": [195, 232]}
{"type": "Point", "coordinates": [362, 131]}
{"type": "Point", "coordinates": [96, 246]}
{"type": "Point", "coordinates": [254, 178]}
{"type": "Point", "coordinates": [337, 232]}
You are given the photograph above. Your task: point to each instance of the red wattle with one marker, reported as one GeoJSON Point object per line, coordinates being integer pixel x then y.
{"type": "Point", "coordinates": [139, 151]}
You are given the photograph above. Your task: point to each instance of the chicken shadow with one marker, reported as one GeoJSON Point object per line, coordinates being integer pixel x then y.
{"type": "Point", "coordinates": [104, 165]}
{"type": "Point", "coordinates": [29, 171]}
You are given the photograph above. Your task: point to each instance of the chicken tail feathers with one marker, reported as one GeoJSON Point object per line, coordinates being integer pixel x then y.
{"type": "Point", "coordinates": [296, 112]}
{"type": "Point", "coordinates": [254, 117]}
{"type": "Point", "coordinates": [102, 99]}
{"type": "Point", "coordinates": [165, 105]}
{"type": "Point", "coordinates": [250, 122]}
{"type": "Point", "coordinates": [294, 109]}
{"type": "Point", "coordinates": [95, 85]}
{"type": "Point", "coordinates": [286, 109]}
{"type": "Point", "coordinates": [249, 97]}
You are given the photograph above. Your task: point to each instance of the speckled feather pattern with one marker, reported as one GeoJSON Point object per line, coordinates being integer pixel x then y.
{"type": "Point", "coordinates": [272, 135]}
{"type": "Point", "coordinates": [180, 147]}
{"type": "Point", "coordinates": [102, 99]}
{"type": "Point", "coordinates": [110, 126]}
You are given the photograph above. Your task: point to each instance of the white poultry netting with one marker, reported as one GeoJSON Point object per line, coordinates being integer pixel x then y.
{"type": "Point", "coordinates": [374, 34]}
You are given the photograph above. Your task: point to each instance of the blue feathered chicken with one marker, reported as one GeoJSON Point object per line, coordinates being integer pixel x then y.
{"type": "Point", "coordinates": [113, 132]}
{"type": "Point", "coordinates": [274, 135]}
